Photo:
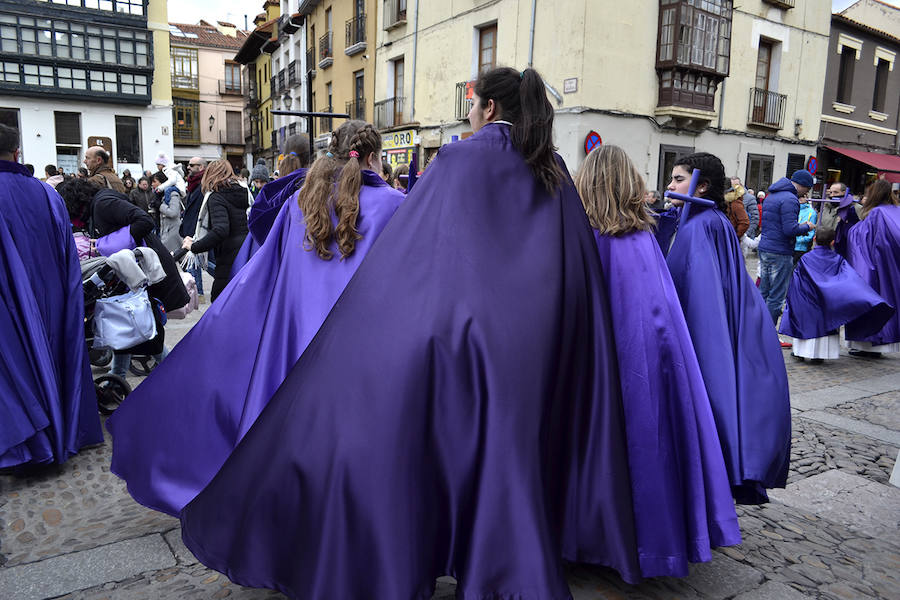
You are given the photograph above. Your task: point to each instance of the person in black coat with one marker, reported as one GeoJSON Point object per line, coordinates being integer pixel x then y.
{"type": "Point", "coordinates": [225, 219]}
{"type": "Point", "coordinates": [192, 202]}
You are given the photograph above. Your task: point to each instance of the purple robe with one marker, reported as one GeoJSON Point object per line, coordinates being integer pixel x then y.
{"type": "Point", "coordinates": [739, 353]}
{"type": "Point", "coordinates": [172, 434]}
{"type": "Point", "coordinates": [825, 293]}
{"type": "Point", "coordinates": [666, 225]}
{"type": "Point", "coordinates": [458, 413]}
{"type": "Point", "coordinates": [847, 218]}
{"type": "Point", "coordinates": [874, 251]}
{"type": "Point", "coordinates": [48, 409]}
{"type": "Point", "coordinates": [682, 498]}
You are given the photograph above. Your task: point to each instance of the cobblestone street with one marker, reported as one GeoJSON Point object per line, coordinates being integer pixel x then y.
{"type": "Point", "coordinates": [73, 531]}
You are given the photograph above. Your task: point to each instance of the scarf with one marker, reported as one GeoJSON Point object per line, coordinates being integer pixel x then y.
{"type": "Point", "coordinates": [193, 182]}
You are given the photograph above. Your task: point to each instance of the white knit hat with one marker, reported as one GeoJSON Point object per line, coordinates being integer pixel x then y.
{"type": "Point", "coordinates": [162, 159]}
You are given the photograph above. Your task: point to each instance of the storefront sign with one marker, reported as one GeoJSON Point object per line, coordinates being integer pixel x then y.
{"type": "Point", "coordinates": [398, 147]}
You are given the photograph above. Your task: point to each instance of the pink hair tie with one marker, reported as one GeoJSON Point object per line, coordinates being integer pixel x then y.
{"type": "Point", "coordinates": [354, 154]}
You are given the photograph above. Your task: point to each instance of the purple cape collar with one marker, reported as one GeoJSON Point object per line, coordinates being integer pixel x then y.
{"type": "Point", "coordinates": [8, 166]}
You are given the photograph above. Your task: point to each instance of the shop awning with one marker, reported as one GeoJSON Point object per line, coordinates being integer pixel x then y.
{"type": "Point", "coordinates": [889, 164]}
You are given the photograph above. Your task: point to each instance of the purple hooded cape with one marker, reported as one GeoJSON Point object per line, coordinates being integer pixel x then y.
{"type": "Point", "coordinates": [172, 434]}
{"type": "Point", "coordinates": [848, 218]}
{"type": "Point", "coordinates": [666, 225]}
{"type": "Point", "coordinates": [682, 498]}
{"type": "Point", "coordinates": [739, 353]}
{"type": "Point", "coordinates": [265, 209]}
{"type": "Point", "coordinates": [874, 251]}
{"type": "Point", "coordinates": [825, 293]}
{"type": "Point", "coordinates": [458, 412]}
{"type": "Point", "coordinates": [48, 410]}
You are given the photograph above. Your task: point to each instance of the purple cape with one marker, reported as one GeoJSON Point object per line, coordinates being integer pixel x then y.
{"type": "Point", "coordinates": [847, 219]}
{"type": "Point", "coordinates": [874, 251]}
{"type": "Point", "coordinates": [825, 293]}
{"type": "Point", "coordinates": [666, 224]}
{"type": "Point", "coordinates": [459, 411]}
{"type": "Point", "coordinates": [682, 498]}
{"type": "Point", "coordinates": [172, 434]}
{"type": "Point", "coordinates": [739, 353]}
{"type": "Point", "coordinates": [265, 209]}
{"type": "Point", "coordinates": [48, 410]}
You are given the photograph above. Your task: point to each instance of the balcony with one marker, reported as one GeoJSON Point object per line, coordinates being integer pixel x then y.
{"type": "Point", "coordinates": [311, 61]}
{"type": "Point", "coordinates": [389, 113]}
{"type": "Point", "coordinates": [230, 88]}
{"type": "Point", "coordinates": [325, 122]}
{"type": "Point", "coordinates": [394, 14]}
{"type": "Point", "coordinates": [781, 3]}
{"type": "Point", "coordinates": [280, 80]}
{"type": "Point", "coordinates": [274, 140]}
{"type": "Point", "coordinates": [251, 97]}
{"type": "Point", "coordinates": [464, 91]}
{"type": "Point", "coordinates": [356, 35]}
{"type": "Point", "coordinates": [231, 137]}
{"type": "Point", "coordinates": [766, 108]}
{"type": "Point", "coordinates": [293, 71]}
{"type": "Point", "coordinates": [326, 56]}
{"type": "Point", "coordinates": [357, 109]}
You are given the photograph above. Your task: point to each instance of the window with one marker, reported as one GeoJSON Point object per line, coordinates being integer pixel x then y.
{"type": "Point", "coordinates": [233, 127]}
{"type": "Point", "coordinates": [10, 117]}
{"type": "Point", "coordinates": [763, 64]}
{"type": "Point", "coordinates": [129, 7]}
{"type": "Point", "coordinates": [845, 74]}
{"type": "Point", "coordinates": [68, 128]}
{"type": "Point", "coordinates": [185, 73]}
{"type": "Point", "coordinates": [881, 76]}
{"type": "Point", "coordinates": [185, 118]}
{"type": "Point", "coordinates": [232, 77]}
{"type": "Point", "coordinates": [357, 108]}
{"type": "Point", "coordinates": [128, 140]}
{"type": "Point", "coordinates": [667, 157]}
{"type": "Point", "coordinates": [759, 171]}
{"type": "Point", "coordinates": [394, 13]}
{"type": "Point", "coordinates": [795, 162]}
{"type": "Point", "coordinates": [487, 48]}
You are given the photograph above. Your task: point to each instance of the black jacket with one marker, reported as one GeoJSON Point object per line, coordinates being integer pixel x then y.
{"type": "Point", "coordinates": [192, 203]}
{"type": "Point", "coordinates": [227, 227]}
{"type": "Point", "coordinates": [141, 198]}
{"type": "Point", "coordinates": [110, 211]}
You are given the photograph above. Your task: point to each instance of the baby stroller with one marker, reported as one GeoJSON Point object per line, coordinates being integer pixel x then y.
{"type": "Point", "coordinates": [101, 280]}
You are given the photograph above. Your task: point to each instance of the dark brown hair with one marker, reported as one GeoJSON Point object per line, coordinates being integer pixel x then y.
{"type": "Point", "coordinates": [318, 198]}
{"type": "Point", "coordinates": [522, 100]}
{"type": "Point", "coordinates": [712, 173]}
{"type": "Point", "coordinates": [877, 194]}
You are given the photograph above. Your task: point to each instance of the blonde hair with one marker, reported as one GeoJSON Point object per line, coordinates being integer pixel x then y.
{"type": "Point", "coordinates": [217, 176]}
{"type": "Point", "coordinates": [612, 192]}
{"type": "Point", "coordinates": [288, 164]}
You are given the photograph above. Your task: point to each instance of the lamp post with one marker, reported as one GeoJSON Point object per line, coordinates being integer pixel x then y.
{"type": "Point", "coordinates": [212, 121]}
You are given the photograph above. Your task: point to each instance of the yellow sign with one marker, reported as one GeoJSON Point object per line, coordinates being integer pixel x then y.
{"type": "Point", "coordinates": [398, 139]}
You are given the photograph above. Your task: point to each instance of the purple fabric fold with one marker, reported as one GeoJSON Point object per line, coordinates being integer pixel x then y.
{"type": "Point", "coordinates": [458, 412]}
{"type": "Point", "coordinates": [825, 293]}
{"type": "Point", "coordinates": [874, 252]}
{"type": "Point", "coordinates": [738, 351]}
{"type": "Point", "coordinates": [172, 434]}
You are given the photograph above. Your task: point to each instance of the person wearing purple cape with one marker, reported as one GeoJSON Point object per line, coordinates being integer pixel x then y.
{"type": "Point", "coordinates": [48, 409]}
{"type": "Point", "coordinates": [873, 249]}
{"type": "Point", "coordinates": [731, 329]}
{"type": "Point", "coordinates": [459, 412]}
{"type": "Point", "coordinates": [825, 293]}
{"type": "Point", "coordinates": [168, 440]}
{"type": "Point", "coordinates": [682, 498]}
{"type": "Point", "coordinates": [839, 214]}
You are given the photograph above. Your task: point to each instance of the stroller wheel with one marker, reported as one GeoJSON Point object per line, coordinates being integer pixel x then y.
{"type": "Point", "coordinates": [111, 390]}
{"type": "Point", "coordinates": [142, 365]}
{"type": "Point", "coordinates": [100, 357]}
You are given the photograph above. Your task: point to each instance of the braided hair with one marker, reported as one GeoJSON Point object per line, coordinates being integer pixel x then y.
{"type": "Point", "coordinates": [712, 173]}
{"type": "Point", "coordinates": [318, 198]}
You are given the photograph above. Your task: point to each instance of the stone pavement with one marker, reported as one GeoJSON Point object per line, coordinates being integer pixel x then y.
{"type": "Point", "coordinates": [73, 532]}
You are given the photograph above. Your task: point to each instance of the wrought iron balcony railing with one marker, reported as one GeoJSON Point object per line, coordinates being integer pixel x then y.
{"type": "Point", "coordinates": [389, 113]}
{"type": "Point", "coordinates": [326, 56]}
{"type": "Point", "coordinates": [357, 109]}
{"type": "Point", "coordinates": [356, 35]}
{"type": "Point", "coordinates": [767, 108]}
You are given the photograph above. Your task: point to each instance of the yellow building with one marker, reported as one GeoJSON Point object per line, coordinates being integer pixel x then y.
{"type": "Point", "coordinates": [625, 75]}
{"type": "Point", "coordinates": [339, 50]}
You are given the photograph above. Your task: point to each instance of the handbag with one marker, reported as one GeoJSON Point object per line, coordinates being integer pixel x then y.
{"type": "Point", "coordinates": [83, 245]}
{"type": "Point", "coordinates": [117, 240]}
{"type": "Point", "coordinates": [124, 321]}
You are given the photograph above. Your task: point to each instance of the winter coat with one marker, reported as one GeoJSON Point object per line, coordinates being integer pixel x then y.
{"type": "Point", "coordinates": [170, 219]}
{"type": "Point", "coordinates": [752, 209]}
{"type": "Point", "coordinates": [110, 211]}
{"type": "Point", "coordinates": [227, 210]}
{"type": "Point", "coordinates": [141, 198]}
{"type": "Point", "coordinates": [736, 213]}
{"type": "Point", "coordinates": [779, 219]}
{"type": "Point", "coordinates": [104, 177]}
{"type": "Point", "coordinates": [807, 213]}
{"type": "Point", "coordinates": [192, 203]}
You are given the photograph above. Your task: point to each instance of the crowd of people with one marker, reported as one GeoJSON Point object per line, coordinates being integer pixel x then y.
{"type": "Point", "coordinates": [499, 371]}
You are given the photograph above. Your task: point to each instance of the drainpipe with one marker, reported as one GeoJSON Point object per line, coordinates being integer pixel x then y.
{"type": "Point", "coordinates": [412, 96]}
{"type": "Point", "coordinates": [722, 103]}
{"type": "Point", "coordinates": [531, 36]}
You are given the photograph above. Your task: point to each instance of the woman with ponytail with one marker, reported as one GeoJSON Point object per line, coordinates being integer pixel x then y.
{"type": "Point", "coordinates": [168, 446]}
{"type": "Point", "coordinates": [459, 411]}
{"type": "Point", "coordinates": [737, 347]}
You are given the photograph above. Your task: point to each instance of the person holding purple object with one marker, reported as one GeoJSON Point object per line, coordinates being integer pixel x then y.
{"type": "Point", "coordinates": [682, 499]}
{"type": "Point", "coordinates": [459, 412]}
{"type": "Point", "coordinates": [737, 347]}
{"type": "Point", "coordinates": [168, 443]}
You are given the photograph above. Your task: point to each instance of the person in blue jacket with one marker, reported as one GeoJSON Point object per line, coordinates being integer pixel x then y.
{"type": "Point", "coordinates": [780, 228]}
{"type": "Point", "coordinates": [804, 242]}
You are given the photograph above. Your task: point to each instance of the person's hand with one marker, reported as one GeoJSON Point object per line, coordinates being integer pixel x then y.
{"type": "Point", "coordinates": [93, 249]}
{"type": "Point", "coordinates": [187, 242]}
{"type": "Point", "coordinates": [811, 225]}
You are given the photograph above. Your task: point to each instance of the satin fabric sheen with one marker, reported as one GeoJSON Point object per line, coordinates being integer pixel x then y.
{"type": "Point", "coordinates": [48, 410]}
{"type": "Point", "coordinates": [682, 498]}
{"type": "Point", "coordinates": [172, 434]}
{"type": "Point", "coordinates": [874, 251]}
{"type": "Point", "coordinates": [825, 293]}
{"type": "Point", "coordinates": [458, 412]}
{"type": "Point", "coordinates": [738, 350]}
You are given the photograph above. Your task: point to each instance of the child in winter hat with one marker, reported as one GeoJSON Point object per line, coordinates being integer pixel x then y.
{"type": "Point", "coordinates": [260, 172]}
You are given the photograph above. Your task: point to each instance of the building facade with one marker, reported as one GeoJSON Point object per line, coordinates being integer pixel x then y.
{"type": "Point", "coordinates": [81, 73]}
{"type": "Point", "coordinates": [861, 105]}
{"type": "Point", "coordinates": [207, 101]}
{"type": "Point", "coordinates": [256, 56]}
{"type": "Point", "coordinates": [664, 78]}
{"type": "Point", "coordinates": [289, 81]}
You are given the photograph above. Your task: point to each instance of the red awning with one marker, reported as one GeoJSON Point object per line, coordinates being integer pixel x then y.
{"type": "Point", "coordinates": [881, 162]}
